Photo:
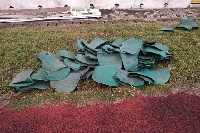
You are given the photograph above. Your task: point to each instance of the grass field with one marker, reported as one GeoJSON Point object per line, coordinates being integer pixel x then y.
{"type": "Point", "coordinates": [19, 47]}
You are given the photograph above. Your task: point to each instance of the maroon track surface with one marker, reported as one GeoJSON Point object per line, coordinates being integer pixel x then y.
{"type": "Point", "coordinates": [175, 113]}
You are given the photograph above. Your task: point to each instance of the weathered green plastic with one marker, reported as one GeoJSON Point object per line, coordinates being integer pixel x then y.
{"type": "Point", "coordinates": [81, 58]}
{"type": "Point", "coordinates": [22, 84]}
{"type": "Point", "coordinates": [110, 49]}
{"type": "Point", "coordinates": [187, 24]}
{"type": "Point", "coordinates": [160, 47]}
{"type": "Point", "coordinates": [66, 54]}
{"type": "Point", "coordinates": [144, 73]}
{"type": "Point", "coordinates": [146, 63]}
{"type": "Point", "coordinates": [155, 51]}
{"type": "Point", "coordinates": [89, 55]}
{"type": "Point", "coordinates": [98, 42]}
{"type": "Point", "coordinates": [186, 21]}
{"type": "Point", "coordinates": [129, 61]}
{"type": "Point", "coordinates": [67, 84]}
{"type": "Point", "coordinates": [59, 74]}
{"type": "Point", "coordinates": [118, 42]}
{"type": "Point", "coordinates": [161, 75]}
{"type": "Point", "coordinates": [104, 75]}
{"type": "Point", "coordinates": [72, 64]}
{"type": "Point", "coordinates": [184, 26]}
{"type": "Point", "coordinates": [132, 46]}
{"type": "Point", "coordinates": [22, 77]}
{"type": "Point", "coordinates": [110, 60]}
{"type": "Point", "coordinates": [42, 55]}
{"type": "Point", "coordinates": [40, 75]}
{"type": "Point", "coordinates": [135, 81]}
{"type": "Point", "coordinates": [80, 45]}
{"type": "Point", "coordinates": [51, 64]}
{"type": "Point", "coordinates": [87, 74]}
{"type": "Point", "coordinates": [82, 71]}
{"type": "Point", "coordinates": [57, 56]}
{"type": "Point", "coordinates": [167, 28]}
{"type": "Point", "coordinates": [147, 58]}
{"type": "Point", "coordinates": [37, 85]}
{"type": "Point", "coordinates": [88, 47]}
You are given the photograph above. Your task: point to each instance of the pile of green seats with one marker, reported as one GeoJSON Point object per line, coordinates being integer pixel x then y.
{"type": "Point", "coordinates": [110, 62]}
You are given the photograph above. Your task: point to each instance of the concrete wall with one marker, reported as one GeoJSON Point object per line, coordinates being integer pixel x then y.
{"type": "Point", "coordinates": [100, 4]}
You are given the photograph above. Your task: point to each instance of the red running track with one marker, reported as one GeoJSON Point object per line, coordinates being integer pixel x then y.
{"type": "Point", "coordinates": [179, 113]}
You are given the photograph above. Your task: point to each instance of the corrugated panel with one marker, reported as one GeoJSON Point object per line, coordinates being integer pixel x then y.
{"type": "Point", "coordinates": [195, 1]}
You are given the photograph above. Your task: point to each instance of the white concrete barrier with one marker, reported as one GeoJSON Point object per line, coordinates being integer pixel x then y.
{"type": "Point", "coordinates": [100, 4]}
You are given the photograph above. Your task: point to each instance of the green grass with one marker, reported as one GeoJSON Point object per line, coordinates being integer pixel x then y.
{"type": "Point", "coordinates": [19, 47]}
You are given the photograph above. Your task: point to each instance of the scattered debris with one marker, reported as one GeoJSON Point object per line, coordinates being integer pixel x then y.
{"type": "Point", "coordinates": [70, 14]}
{"type": "Point", "coordinates": [167, 28]}
{"type": "Point", "coordinates": [86, 13]}
{"type": "Point", "coordinates": [130, 62]}
{"type": "Point", "coordinates": [185, 24]}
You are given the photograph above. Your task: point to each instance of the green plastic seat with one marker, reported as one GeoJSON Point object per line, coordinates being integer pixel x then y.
{"type": "Point", "coordinates": [80, 45]}
{"type": "Point", "coordinates": [22, 79]}
{"type": "Point", "coordinates": [110, 49]}
{"type": "Point", "coordinates": [118, 43]}
{"type": "Point", "coordinates": [161, 75]}
{"type": "Point", "coordinates": [42, 55]}
{"type": "Point", "coordinates": [144, 73]}
{"type": "Point", "coordinates": [59, 74]}
{"type": "Point", "coordinates": [37, 85]}
{"type": "Point", "coordinates": [187, 24]}
{"type": "Point", "coordinates": [129, 61]}
{"type": "Point", "coordinates": [110, 60]}
{"type": "Point", "coordinates": [23, 76]}
{"type": "Point", "coordinates": [66, 54]}
{"type": "Point", "coordinates": [104, 75]}
{"type": "Point", "coordinates": [155, 51]}
{"type": "Point", "coordinates": [132, 46]}
{"type": "Point", "coordinates": [96, 43]}
{"type": "Point", "coordinates": [89, 55]}
{"type": "Point", "coordinates": [51, 64]}
{"type": "Point", "coordinates": [160, 47]}
{"type": "Point", "coordinates": [81, 58]}
{"type": "Point", "coordinates": [40, 75]}
{"type": "Point", "coordinates": [67, 84]}
{"type": "Point", "coordinates": [88, 47]}
{"type": "Point", "coordinates": [122, 77]}
{"type": "Point", "coordinates": [167, 28]}
{"type": "Point", "coordinates": [72, 64]}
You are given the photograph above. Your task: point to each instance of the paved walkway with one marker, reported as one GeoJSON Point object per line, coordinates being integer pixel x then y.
{"type": "Point", "coordinates": [108, 16]}
{"type": "Point", "coordinates": [172, 114]}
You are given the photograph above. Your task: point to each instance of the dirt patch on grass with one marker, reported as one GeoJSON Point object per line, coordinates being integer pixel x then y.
{"type": "Point", "coordinates": [92, 93]}
{"type": "Point", "coordinates": [7, 98]}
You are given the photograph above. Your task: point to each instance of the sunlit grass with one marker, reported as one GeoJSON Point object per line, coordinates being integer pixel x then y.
{"type": "Point", "coordinates": [19, 47]}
